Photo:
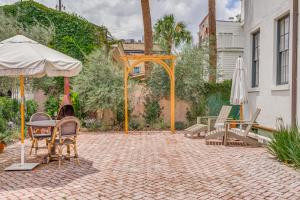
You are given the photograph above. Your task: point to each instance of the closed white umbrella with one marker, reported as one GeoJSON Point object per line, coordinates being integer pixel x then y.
{"type": "Point", "coordinates": [20, 57]}
{"type": "Point", "coordinates": [239, 93]}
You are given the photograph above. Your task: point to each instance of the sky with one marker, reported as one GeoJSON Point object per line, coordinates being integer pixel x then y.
{"type": "Point", "coordinates": [124, 20]}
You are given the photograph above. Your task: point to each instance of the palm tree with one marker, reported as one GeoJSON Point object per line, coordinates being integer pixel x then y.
{"type": "Point", "coordinates": [147, 33]}
{"type": "Point", "coordinates": [169, 33]}
{"type": "Point", "coordinates": [212, 40]}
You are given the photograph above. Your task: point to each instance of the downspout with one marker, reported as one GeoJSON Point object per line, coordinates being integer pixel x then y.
{"type": "Point", "coordinates": [294, 64]}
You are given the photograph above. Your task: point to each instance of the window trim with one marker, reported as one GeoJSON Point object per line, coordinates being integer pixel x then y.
{"type": "Point", "coordinates": [138, 68]}
{"type": "Point", "coordinates": [279, 52]}
{"type": "Point", "coordinates": [255, 79]}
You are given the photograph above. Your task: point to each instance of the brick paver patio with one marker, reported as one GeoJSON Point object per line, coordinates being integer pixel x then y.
{"type": "Point", "coordinates": [152, 166]}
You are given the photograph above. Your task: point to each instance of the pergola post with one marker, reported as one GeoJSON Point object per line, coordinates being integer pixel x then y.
{"type": "Point", "coordinates": [126, 95]}
{"type": "Point", "coordinates": [172, 94]}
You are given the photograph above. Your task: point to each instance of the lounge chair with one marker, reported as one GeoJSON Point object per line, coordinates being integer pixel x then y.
{"type": "Point", "coordinates": [227, 134]}
{"type": "Point", "coordinates": [212, 123]}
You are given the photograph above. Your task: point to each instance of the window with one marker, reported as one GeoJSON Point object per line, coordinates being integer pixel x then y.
{"type": "Point", "coordinates": [255, 59]}
{"type": "Point", "coordinates": [283, 50]}
{"type": "Point", "coordinates": [136, 70]}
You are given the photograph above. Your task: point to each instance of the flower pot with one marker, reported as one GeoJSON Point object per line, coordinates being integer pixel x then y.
{"type": "Point", "coordinates": [2, 146]}
{"type": "Point", "coordinates": [233, 125]}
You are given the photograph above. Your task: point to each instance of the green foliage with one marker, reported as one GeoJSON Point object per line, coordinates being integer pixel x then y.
{"type": "Point", "coordinates": [31, 108]}
{"type": "Point", "coordinates": [99, 85]}
{"type": "Point", "coordinates": [9, 113]}
{"type": "Point", "coordinates": [61, 31]}
{"type": "Point", "coordinates": [169, 33]}
{"type": "Point", "coordinates": [180, 125]}
{"type": "Point", "coordinates": [205, 98]}
{"type": "Point", "coordinates": [50, 85]}
{"type": "Point", "coordinates": [285, 145]}
{"type": "Point", "coordinates": [9, 109]}
{"type": "Point", "coordinates": [52, 106]}
{"type": "Point", "coordinates": [134, 124]}
{"type": "Point", "coordinates": [189, 73]}
{"type": "Point", "coordinates": [152, 110]}
{"type": "Point", "coordinates": [73, 36]}
{"type": "Point", "coordinates": [5, 134]}
{"type": "Point", "coordinates": [120, 115]}
{"type": "Point", "coordinates": [76, 105]}
{"type": "Point", "coordinates": [92, 124]}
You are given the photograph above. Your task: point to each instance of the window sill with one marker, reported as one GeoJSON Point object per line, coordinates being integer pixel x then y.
{"type": "Point", "coordinates": [281, 87]}
{"type": "Point", "coordinates": [254, 89]}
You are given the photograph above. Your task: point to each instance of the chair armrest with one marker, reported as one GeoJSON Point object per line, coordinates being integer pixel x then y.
{"type": "Point", "coordinates": [241, 122]}
{"type": "Point", "coordinates": [205, 117]}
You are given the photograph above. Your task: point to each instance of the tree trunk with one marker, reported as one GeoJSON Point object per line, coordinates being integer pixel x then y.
{"type": "Point", "coordinates": [148, 43]}
{"type": "Point", "coordinates": [212, 40]}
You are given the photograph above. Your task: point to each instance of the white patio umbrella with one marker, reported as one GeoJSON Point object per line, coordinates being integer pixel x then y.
{"type": "Point", "coordinates": [239, 93]}
{"type": "Point", "coordinates": [20, 57]}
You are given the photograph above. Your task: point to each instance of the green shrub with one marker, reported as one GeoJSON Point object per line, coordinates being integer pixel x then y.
{"type": "Point", "coordinates": [5, 132]}
{"type": "Point", "coordinates": [152, 110]}
{"type": "Point", "coordinates": [180, 126]}
{"type": "Point", "coordinates": [285, 146]}
{"type": "Point", "coordinates": [52, 106]}
{"type": "Point", "coordinates": [76, 105]}
{"type": "Point", "coordinates": [31, 108]}
{"type": "Point", "coordinates": [120, 115]}
{"type": "Point", "coordinates": [9, 109]}
{"type": "Point", "coordinates": [92, 124]}
{"type": "Point", "coordinates": [134, 124]}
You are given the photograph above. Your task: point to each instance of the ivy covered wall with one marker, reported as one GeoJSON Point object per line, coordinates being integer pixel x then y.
{"type": "Point", "coordinates": [73, 36]}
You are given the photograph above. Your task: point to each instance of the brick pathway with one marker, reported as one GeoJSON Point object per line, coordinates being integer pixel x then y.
{"type": "Point", "coordinates": [152, 166]}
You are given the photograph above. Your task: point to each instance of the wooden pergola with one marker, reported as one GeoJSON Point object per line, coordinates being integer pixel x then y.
{"type": "Point", "coordinates": [131, 61]}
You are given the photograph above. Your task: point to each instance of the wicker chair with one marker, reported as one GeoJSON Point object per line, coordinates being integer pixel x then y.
{"type": "Point", "coordinates": [38, 133]}
{"type": "Point", "coordinates": [65, 135]}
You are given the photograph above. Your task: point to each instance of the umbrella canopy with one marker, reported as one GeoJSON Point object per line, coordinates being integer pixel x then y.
{"type": "Point", "coordinates": [20, 55]}
{"type": "Point", "coordinates": [239, 93]}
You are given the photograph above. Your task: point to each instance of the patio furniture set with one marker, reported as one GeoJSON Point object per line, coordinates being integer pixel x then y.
{"type": "Point", "coordinates": [222, 129]}
{"type": "Point", "coordinates": [58, 134]}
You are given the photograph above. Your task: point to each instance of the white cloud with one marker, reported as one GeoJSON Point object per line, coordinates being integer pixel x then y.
{"type": "Point", "coordinates": [123, 17]}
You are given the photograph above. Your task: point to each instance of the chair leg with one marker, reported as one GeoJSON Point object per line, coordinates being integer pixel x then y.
{"type": "Point", "coordinates": [59, 155]}
{"type": "Point", "coordinates": [32, 146]}
{"type": "Point", "coordinates": [68, 152]}
{"type": "Point", "coordinates": [76, 152]}
{"type": "Point", "coordinates": [49, 152]}
{"type": "Point", "coordinates": [36, 146]}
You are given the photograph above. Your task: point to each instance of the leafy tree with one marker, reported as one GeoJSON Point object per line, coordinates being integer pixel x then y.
{"type": "Point", "coordinates": [169, 33]}
{"type": "Point", "coordinates": [100, 84]}
{"type": "Point", "coordinates": [190, 73]}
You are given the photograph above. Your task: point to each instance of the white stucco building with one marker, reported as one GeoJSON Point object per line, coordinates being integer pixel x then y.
{"type": "Point", "coordinates": [229, 45]}
{"type": "Point", "coordinates": [268, 31]}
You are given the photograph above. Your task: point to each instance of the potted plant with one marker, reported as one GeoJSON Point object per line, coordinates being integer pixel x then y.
{"type": "Point", "coordinates": [3, 140]}
{"type": "Point", "coordinates": [5, 134]}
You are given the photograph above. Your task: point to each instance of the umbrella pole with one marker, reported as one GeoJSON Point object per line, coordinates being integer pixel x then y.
{"type": "Point", "coordinates": [22, 119]}
{"type": "Point", "coordinates": [241, 112]}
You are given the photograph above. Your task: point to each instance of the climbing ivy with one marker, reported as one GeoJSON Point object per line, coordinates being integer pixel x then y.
{"type": "Point", "coordinates": [73, 36]}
